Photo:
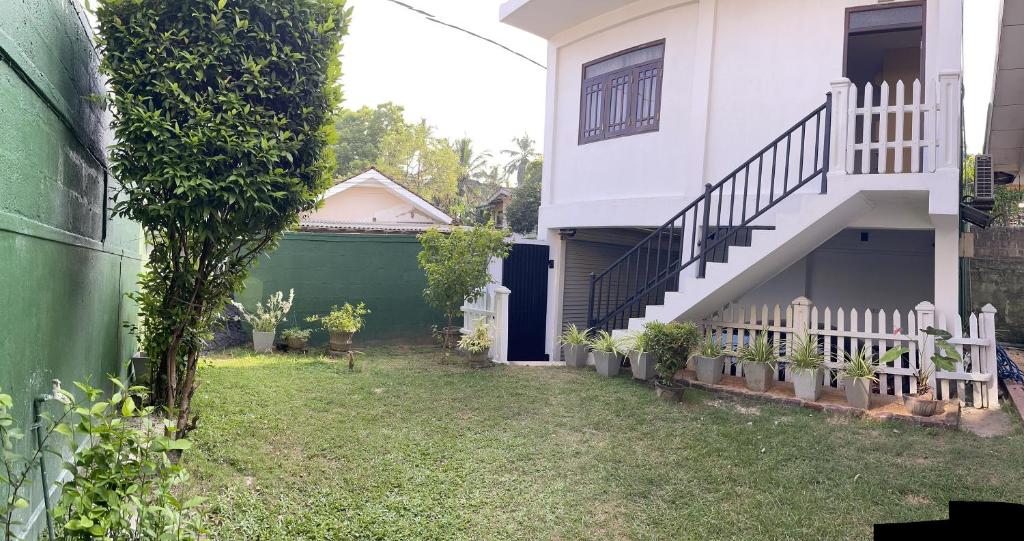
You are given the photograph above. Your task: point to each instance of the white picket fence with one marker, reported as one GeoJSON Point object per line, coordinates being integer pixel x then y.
{"type": "Point", "coordinates": [840, 331]}
{"type": "Point", "coordinates": [490, 308]}
{"type": "Point", "coordinates": [888, 134]}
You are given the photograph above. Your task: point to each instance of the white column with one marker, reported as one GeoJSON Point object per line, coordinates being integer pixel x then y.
{"type": "Point", "coordinates": [701, 77]}
{"type": "Point", "coordinates": [947, 263]}
{"type": "Point", "coordinates": [989, 362]}
{"type": "Point", "coordinates": [949, 120]}
{"type": "Point", "coordinates": [499, 351]}
{"type": "Point", "coordinates": [926, 343]}
{"type": "Point", "coordinates": [556, 283]}
{"type": "Point", "coordinates": [840, 122]}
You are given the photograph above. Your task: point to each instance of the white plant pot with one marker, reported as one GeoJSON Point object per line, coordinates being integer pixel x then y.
{"type": "Point", "coordinates": [642, 365]}
{"type": "Point", "coordinates": [263, 342]}
{"type": "Point", "coordinates": [806, 383]}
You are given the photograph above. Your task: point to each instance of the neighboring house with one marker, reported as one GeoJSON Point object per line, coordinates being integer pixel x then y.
{"type": "Point", "coordinates": [66, 263]}
{"type": "Point", "coordinates": [360, 245]}
{"type": "Point", "coordinates": [694, 158]}
{"type": "Point", "coordinates": [496, 206]}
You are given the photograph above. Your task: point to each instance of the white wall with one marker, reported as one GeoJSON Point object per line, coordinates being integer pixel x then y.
{"type": "Point", "coordinates": [369, 204]}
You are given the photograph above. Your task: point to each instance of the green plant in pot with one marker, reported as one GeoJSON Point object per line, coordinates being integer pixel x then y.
{"type": "Point", "coordinates": [710, 360]}
{"type": "Point", "coordinates": [945, 357]}
{"type": "Point", "coordinates": [641, 360]}
{"type": "Point", "coordinates": [265, 319]}
{"type": "Point", "coordinates": [759, 360]}
{"type": "Point", "coordinates": [858, 374]}
{"type": "Point", "coordinates": [606, 352]}
{"type": "Point", "coordinates": [297, 338]}
{"type": "Point", "coordinates": [671, 344]}
{"type": "Point", "coordinates": [342, 323]}
{"type": "Point", "coordinates": [805, 362]}
{"type": "Point", "coordinates": [575, 346]}
{"type": "Point", "coordinates": [477, 345]}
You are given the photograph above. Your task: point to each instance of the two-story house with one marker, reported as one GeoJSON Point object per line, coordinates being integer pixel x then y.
{"type": "Point", "coordinates": [706, 152]}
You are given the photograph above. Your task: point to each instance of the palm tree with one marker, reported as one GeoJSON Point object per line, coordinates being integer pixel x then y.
{"type": "Point", "coordinates": [471, 165]}
{"type": "Point", "coordinates": [520, 157]}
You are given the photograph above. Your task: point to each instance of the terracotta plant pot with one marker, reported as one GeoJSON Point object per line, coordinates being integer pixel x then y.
{"type": "Point", "coordinates": [642, 365]}
{"type": "Point", "coordinates": [668, 393]}
{"type": "Point", "coordinates": [759, 376]}
{"type": "Point", "coordinates": [263, 342]}
{"type": "Point", "coordinates": [858, 392]}
{"type": "Point", "coordinates": [297, 344]}
{"type": "Point", "coordinates": [806, 383]}
{"type": "Point", "coordinates": [924, 406]}
{"type": "Point", "coordinates": [607, 364]}
{"type": "Point", "coordinates": [575, 356]}
{"type": "Point", "coordinates": [341, 341]}
{"type": "Point", "coordinates": [710, 369]}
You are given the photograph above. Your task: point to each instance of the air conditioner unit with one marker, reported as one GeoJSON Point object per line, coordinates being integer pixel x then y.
{"type": "Point", "coordinates": [984, 184]}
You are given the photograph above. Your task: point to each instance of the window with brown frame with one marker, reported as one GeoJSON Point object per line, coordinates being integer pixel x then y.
{"type": "Point", "coordinates": [621, 93]}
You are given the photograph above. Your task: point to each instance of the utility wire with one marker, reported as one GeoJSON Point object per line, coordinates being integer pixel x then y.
{"type": "Point", "coordinates": [430, 17]}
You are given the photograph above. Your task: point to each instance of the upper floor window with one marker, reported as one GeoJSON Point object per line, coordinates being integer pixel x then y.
{"type": "Point", "coordinates": [621, 93]}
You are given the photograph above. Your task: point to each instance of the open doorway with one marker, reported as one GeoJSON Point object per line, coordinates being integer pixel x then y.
{"type": "Point", "coordinates": [884, 43]}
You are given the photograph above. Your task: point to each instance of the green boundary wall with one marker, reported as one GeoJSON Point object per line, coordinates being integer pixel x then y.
{"type": "Point", "coordinates": [64, 265]}
{"type": "Point", "coordinates": [328, 269]}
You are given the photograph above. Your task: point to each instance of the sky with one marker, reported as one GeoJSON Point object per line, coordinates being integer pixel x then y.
{"type": "Point", "coordinates": [460, 84]}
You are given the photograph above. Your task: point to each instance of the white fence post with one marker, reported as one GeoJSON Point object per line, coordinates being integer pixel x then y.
{"type": "Point", "coordinates": [840, 122]}
{"type": "Point", "coordinates": [949, 119]}
{"type": "Point", "coordinates": [500, 347]}
{"type": "Point", "coordinates": [989, 363]}
{"type": "Point", "coordinates": [926, 342]}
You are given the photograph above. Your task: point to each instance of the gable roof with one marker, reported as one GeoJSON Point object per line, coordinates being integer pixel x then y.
{"type": "Point", "coordinates": [373, 177]}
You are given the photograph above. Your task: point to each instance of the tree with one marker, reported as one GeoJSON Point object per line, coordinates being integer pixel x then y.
{"type": "Point", "coordinates": [456, 266]}
{"type": "Point", "coordinates": [361, 133]}
{"type": "Point", "coordinates": [222, 117]}
{"type": "Point", "coordinates": [426, 164]}
{"type": "Point", "coordinates": [523, 209]}
{"type": "Point", "coordinates": [471, 164]}
{"type": "Point", "coordinates": [519, 157]}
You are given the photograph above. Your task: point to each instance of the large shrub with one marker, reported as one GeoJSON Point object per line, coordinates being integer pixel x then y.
{"type": "Point", "coordinates": [222, 115]}
{"type": "Point", "coordinates": [671, 343]}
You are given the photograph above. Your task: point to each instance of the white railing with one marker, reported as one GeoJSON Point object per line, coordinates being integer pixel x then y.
{"type": "Point", "coordinates": [884, 133]}
{"type": "Point", "coordinates": [490, 308]}
{"type": "Point", "coordinates": [843, 331]}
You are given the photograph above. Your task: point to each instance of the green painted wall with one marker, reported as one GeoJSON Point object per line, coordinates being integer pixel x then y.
{"type": "Point", "coordinates": [329, 268]}
{"type": "Point", "coordinates": [62, 281]}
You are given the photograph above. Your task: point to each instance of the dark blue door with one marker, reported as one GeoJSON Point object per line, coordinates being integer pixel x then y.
{"type": "Point", "coordinates": [525, 272]}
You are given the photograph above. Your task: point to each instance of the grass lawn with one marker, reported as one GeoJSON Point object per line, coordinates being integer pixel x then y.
{"type": "Point", "coordinates": [298, 447]}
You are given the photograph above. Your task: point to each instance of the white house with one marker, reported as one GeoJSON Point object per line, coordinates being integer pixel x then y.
{"type": "Point", "coordinates": [371, 202]}
{"type": "Point", "coordinates": [701, 153]}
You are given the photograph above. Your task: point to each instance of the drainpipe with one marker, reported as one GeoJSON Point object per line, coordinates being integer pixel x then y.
{"type": "Point", "coordinates": [37, 427]}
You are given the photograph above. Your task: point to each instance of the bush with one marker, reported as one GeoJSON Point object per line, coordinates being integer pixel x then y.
{"type": "Point", "coordinates": [671, 344]}
{"type": "Point", "coordinates": [267, 318]}
{"type": "Point", "coordinates": [348, 318]}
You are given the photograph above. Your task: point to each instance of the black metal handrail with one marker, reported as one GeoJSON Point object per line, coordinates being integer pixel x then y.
{"type": "Point", "coordinates": [629, 284]}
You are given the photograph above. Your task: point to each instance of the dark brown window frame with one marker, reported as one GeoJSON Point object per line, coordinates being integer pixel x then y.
{"type": "Point", "coordinates": [605, 81]}
{"type": "Point", "coordinates": [847, 32]}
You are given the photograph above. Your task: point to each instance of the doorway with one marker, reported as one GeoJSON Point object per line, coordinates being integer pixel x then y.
{"type": "Point", "coordinates": [884, 43]}
{"type": "Point", "coordinates": [525, 272]}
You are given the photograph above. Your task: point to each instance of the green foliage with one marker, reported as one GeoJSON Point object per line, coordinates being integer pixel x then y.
{"type": "Point", "coordinates": [16, 469]}
{"type": "Point", "coordinates": [361, 133]}
{"type": "Point", "coordinates": [424, 163]}
{"type": "Point", "coordinates": [296, 333]}
{"type": "Point", "coordinates": [127, 481]}
{"type": "Point", "coordinates": [759, 351]}
{"type": "Point", "coordinates": [604, 342]}
{"type": "Point", "coordinates": [455, 264]}
{"type": "Point", "coordinates": [709, 347]}
{"type": "Point", "coordinates": [477, 341]}
{"type": "Point", "coordinates": [523, 209]}
{"type": "Point", "coordinates": [222, 117]}
{"type": "Point", "coordinates": [859, 365]}
{"type": "Point", "coordinates": [348, 318]}
{"type": "Point", "coordinates": [635, 342]}
{"type": "Point", "coordinates": [671, 343]}
{"type": "Point", "coordinates": [574, 336]}
{"type": "Point", "coordinates": [804, 353]}
{"type": "Point", "coordinates": [267, 318]}
{"type": "Point", "coordinates": [520, 157]}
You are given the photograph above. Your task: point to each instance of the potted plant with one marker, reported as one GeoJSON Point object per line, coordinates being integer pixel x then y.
{"type": "Point", "coordinates": [342, 323]}
{"type": "Point", "coordinates": [805, 361]}
{"type": "Point", "coordinates": [265, 319]}
{"type": "Point", "coordinates": [296, 338]}
{"type": "Point", "coordinates": [710, 360]}
{"type": "Point", "coordinates": [605, 350]}
{"type": "Point", "coordinates": [641, 360]}
{"type": "Point", "coordinates": [759, 362]}
{"type": "Point", "coordinates": [671, 344]}
{"type": "Point", "coordinates": [945, 357]}
{"type": "Point", "coordinates": [575, 344]}
{"type": "Point", "coordinates": [477, 344]}
{"type": "Point", "coordinates": [858, 375]}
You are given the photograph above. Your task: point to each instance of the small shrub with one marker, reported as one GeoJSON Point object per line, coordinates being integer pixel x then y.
{"type": "Point", "coordinates": [759, 351]}
{"type": "Point", "coordinates": [804, 353]}
{"type": "Point", "coordinates": [604, 342]}
{"type": "Point", "coordinates": [296, 333]}
{"type": "Point", "coordinates": [478, 341]}
{"type": "Point", "coordinates": [709, 347]}
{"type": "Point", "coordinates": [859, 365]}
{"type": "Point", "coordinates": [573, 336]}
{"type": "Point", "coordinates": [348, 318]}
{"type": "Point", "coordinates": [672, 344]}
{"type": "Point", "coordinates": [267, 318]}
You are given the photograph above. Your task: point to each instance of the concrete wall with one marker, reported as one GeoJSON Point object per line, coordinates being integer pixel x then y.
{"type": "Point", "coordinates": [62, 282]}
{"type": "Point", "coordinates": [997, 277]}
{"type": "Point", "coordinates": [737, 73]}
{"type": "Point", "coordinates": [330, 268]}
